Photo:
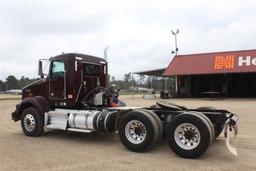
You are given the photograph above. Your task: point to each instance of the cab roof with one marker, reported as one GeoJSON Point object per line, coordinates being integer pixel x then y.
{"type": "Point", "coordinates": [78, 56]}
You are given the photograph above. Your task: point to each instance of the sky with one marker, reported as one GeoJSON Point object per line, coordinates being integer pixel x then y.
{"type": "Point", "coordinates": [138, 33]}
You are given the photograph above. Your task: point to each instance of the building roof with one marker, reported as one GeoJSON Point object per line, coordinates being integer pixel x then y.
{"type": "Point", "coordinates": [213, 63]}
{"type": "Point", "coordinates": [155, 72]}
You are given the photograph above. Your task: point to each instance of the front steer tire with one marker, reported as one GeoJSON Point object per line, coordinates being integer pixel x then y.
{"type": "Point", "coordinates": [178, 143]}
{"type": "Point", "coordinates": [149, 126]}
{"type": "Point", "coordinates": [32, 122]}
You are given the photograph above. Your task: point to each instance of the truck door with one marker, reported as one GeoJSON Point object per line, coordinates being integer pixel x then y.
{"type": "Point", "coordinates": [57, 80]}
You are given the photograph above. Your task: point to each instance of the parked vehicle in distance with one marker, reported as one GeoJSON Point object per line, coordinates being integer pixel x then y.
{"type": "Point", "coordinates": [14, 91]}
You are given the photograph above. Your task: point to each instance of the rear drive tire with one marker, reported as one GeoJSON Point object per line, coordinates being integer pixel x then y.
{"type": "Point", "coordinates": [138, 131]}
{"type": "Point", "coordinates": [188, 135]}
{"type": "Point", "coordinates": [32, 122]}
{"type": "Point", "coordinates": [158, 121]}
{"type": "Point", "coordinates": [209, 122]}
{"type": "Point", "coordinates": [218, 128]}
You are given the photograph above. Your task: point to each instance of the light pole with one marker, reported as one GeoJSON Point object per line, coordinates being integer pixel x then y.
{"type": "Point", "coordinates": [175, 36]}
{"type": "Point", "coordinates": [176, 52]}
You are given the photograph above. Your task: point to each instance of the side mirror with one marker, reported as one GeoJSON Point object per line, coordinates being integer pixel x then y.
{"type": "Point", "coordinates": [40, 69]}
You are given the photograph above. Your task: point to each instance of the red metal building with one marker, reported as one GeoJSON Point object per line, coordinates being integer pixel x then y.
{"type": "Point", "coordinates": [231, 74]}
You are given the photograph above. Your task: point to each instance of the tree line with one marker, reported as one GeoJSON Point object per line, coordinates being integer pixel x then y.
{"type": "Point", "coordinates": [156, 83]}
{"type": "Point", "coordinates": [12, 82]}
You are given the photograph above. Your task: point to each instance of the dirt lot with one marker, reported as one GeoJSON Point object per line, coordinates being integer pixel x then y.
{"type": "Point", "coordinates": [9, 97]}
{"type": "Point", "coordinates": [74, 151]}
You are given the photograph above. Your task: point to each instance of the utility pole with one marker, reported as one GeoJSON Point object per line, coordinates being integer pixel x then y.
{"type": "Point", "coordinates": [175, 37]}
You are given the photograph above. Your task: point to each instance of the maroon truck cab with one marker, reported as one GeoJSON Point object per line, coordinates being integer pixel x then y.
{"type": "Point", "coordinates": [71, 77]}
{"type": "Point", "coordinates": [72, 80]}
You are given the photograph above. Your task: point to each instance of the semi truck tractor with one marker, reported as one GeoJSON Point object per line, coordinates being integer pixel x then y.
{"type": "Point", "coordinates": [75, 96]}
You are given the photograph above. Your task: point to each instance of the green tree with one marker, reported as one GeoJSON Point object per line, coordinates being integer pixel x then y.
{"type": "Point", "coordinates": [127, 77]}
{"type": "Point", "coordinates": [2, 86]}
{"type": "Point", "coordinates": [11, 82]}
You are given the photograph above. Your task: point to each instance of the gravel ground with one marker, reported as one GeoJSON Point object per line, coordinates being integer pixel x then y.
{"type": "Point", "coordinates": [76, 151]}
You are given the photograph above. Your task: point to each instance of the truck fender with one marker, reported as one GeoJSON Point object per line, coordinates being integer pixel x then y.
{"type": "Point", "coordinates": [43, 103]}
{"type": "Point", "coordinates": [28, 102]}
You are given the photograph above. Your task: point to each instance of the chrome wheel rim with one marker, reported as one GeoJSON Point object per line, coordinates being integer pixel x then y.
{"type": "Point", "coordinates": [187, 136]}
{"type": "Point", "coordinates": [135, 131]}
{"type": "Point", "coordinates": [29, 122]}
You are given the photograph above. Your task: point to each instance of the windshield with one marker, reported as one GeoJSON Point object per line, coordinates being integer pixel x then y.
{"type": "Point", "coordinates": [58, 68]}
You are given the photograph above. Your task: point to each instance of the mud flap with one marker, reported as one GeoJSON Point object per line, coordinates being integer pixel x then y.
{"type": "Point", "coordinates": [228, 130]}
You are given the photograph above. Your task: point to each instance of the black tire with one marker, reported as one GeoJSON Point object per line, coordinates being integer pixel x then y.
{"type": "Point", "coordinates": [38, 127]}
{"type": "Point", "coordinates": [158, 121]}
{"type": "Point", "coordinates": [209, 122]}
{"type": "Point", "coordinates": [43, 103]}
{"type": "Point", "coordinates": [203, 129]}
{"type": "Point", "coordinates": [151, 127]}
{"type": "Point", "coordinates": [218, 128]}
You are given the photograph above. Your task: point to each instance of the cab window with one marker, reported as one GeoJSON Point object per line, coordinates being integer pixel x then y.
{"type": "Point", "coordinates": [92, 70]}
{"type": "Point", "coordinates": [58, 68]}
